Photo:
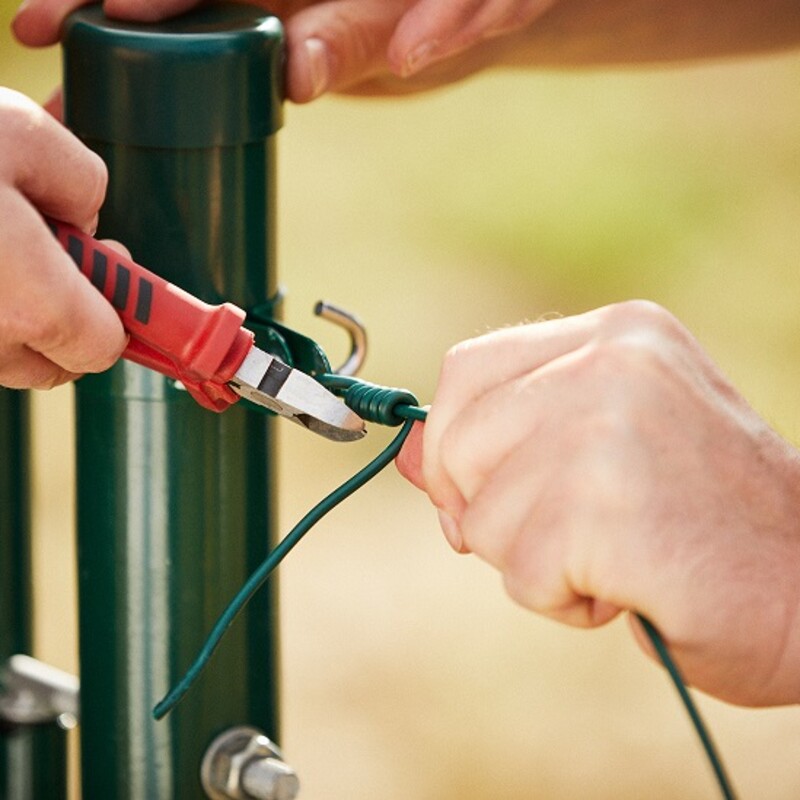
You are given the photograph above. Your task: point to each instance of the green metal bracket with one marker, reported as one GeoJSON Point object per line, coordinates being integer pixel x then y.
{"type": "Point", "coordinates": [294, 348]}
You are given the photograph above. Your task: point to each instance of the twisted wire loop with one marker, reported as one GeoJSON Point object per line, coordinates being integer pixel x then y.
{"type": "Point", "coordinates": [378, 403]}
{"type": "Point", "coordinates": [383, 405]}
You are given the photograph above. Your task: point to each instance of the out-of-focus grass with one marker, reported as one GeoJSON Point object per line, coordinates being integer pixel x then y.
{"type": "Point", "coordinates": [408, 674]}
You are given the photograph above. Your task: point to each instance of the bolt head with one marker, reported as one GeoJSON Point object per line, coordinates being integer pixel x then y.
{"type": "Point", "coordinates": [243, 764]}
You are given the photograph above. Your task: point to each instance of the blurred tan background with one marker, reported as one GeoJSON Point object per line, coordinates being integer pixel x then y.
{"type": "Point", "coordinates": [407, 672]}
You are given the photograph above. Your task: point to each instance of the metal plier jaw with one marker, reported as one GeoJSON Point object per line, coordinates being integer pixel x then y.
{"type": "Point", "coordinates": [205, 347]}
{"type": "Point", "coordinates": [265, 380]}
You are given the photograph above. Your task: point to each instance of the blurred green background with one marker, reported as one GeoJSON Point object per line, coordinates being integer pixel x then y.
{"type": "Point", "coordinates": [408, 673]}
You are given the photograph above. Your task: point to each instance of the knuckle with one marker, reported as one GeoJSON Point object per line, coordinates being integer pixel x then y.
{"type": "Point", "coordinates": [455, 357]}
{"type": "Point", "coordinates": [36, 152]}
{"type": "Point", "coordinates": [77, 346]}
{"type": "Point", "coordinates": [25, 369]}
{"type": "Point", "coordinates": [352, 42]}
{"type": "Point", "coordinates": [19, 115]}
{"type": "Point", "coordinates": [450, 363]}
{"type": "Point", "coordinates": [51, 328]}
{"type": "Point", "coordinates": [614, 424]}
{"type": "Point", "coordinates": [106, 354]}
{"type": "Point", "coordinates": [46, 332]}
{"type": "Point", "coordinates": [91, 192]}
{"type": "Point", "coordinates": [98, 170]}
{"type": "Point", "coordinates": [357, 38]}
{"type": "Point", "coordinates": [455, 461]}
{"type": "Point", "coordinates": [463, 461]}
{"type": "Point", "coordinates": [15, 103]}
{"type": "Point", "coordinates": [623, 379]}
{"type": "Point", "coordinates": [50, 378]}
{"type": "Point", "coordinates": [638, 314]}
{"type": "Point", "coordinates": [360, 41]}
{"type": "Point", "coordinates": [622, 353]}
{"type": "Point", "coordinates": [635, 335]}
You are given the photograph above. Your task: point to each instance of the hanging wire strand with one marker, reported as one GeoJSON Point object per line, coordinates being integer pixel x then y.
{"type": "Point", "coordinates": [260, 575]}
{"type": "Point", "coordinates": [714, 759]}
{"type": "Point", "coordinates": [388, 406]}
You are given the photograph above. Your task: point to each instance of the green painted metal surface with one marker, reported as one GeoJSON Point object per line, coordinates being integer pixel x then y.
{"type": "Point", "coordinates": [33, 763]}
{"type": "Point", "coordinates": [15, 526]}
{"type": "Point", "coordinates": [32, 759]}
{"type": "Point", "coordinates": [218, 71]}
{"type": "Point", "coordinates": [175, 503]}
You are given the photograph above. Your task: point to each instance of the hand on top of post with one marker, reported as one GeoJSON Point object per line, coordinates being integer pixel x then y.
{"type": "Point", "coordinates": [354, 46]}
{"type": "Point", "coordinates": [392, 47]}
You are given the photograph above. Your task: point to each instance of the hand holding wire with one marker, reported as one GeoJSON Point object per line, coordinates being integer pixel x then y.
{"type": "Point", "coordinates": [393, 407]}
{"type": "Point", "coordinates": [602, 463]}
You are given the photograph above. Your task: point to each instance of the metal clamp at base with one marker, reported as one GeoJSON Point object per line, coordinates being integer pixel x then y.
{"type": "Point", "coordinates": [34, 693]}
{"type": "Point", "coordinates": [243, 764]}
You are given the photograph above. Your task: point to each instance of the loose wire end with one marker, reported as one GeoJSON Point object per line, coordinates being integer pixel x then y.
{"type": "Point", "coordinates": [260, 575]}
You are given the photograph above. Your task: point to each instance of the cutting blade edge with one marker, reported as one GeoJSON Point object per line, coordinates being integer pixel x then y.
{"type": "Point", "coordinates": [269, 382]}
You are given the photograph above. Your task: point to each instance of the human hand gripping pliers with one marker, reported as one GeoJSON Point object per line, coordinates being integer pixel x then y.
{"type": "Point", "coordinates": [204, 347]}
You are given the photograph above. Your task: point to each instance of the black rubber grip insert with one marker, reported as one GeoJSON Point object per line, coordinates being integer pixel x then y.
{"type": "Point", "coordinates": [122, 288]}
{"type": "Point", "coordinates": [144, 301]}
{"type": "Point", "coordinates": [75, 250]}
{"type": "Point", "coordinates": [99, 270]}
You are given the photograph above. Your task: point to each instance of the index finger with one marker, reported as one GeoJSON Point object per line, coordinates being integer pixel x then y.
{"type": "Point", "coordinates": [475, 367]}
{"type": "Point", "coordinates": [38, 22]}
{"type": "Point", "coordinates": [49, 165]}
{"type": "Point", "coordinates": [47, 305]}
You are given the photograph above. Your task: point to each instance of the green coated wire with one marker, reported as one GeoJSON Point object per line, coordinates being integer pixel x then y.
{"type": "Point", "coordinates": [413, 413]}
{"type": "Point", "coordinates": [260, 575]}
{"type": "Point", "coordinates": [392, 413]}
{"type": "Point", "coordinates": [725, 786]}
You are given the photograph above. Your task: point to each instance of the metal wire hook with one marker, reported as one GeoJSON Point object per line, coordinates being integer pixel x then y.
{"type": "Point", "coordinates": [356, 331]}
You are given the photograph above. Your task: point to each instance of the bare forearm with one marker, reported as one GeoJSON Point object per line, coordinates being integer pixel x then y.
{"type": "Point", "coordinates": [603, 33]}
{"type": "Point", "coordinates": [585, 32]}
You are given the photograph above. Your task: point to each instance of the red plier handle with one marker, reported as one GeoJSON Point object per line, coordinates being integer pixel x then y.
{"type": "Point", "coordinates": [170, 330]}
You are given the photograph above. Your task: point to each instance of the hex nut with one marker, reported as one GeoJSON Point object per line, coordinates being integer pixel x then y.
{"type": "Point", "coordinates": [228, 757]}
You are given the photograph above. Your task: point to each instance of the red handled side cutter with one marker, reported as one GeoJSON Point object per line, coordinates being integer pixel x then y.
{"type": "Point", "coordinates": [205, 347]}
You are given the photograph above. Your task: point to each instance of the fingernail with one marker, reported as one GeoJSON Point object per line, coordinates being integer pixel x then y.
{"type": "Point", "coordinates": [451, 532]}
{"type": "Point", "coordinates": [319, 68]}
{"type": "Point", "coordinates": [419, 58]}
{"type": "Point", "coordinates": [91, 226]}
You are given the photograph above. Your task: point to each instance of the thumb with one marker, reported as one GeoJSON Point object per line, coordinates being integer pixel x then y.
{"type": "Point", "coordinates": [409, 460]}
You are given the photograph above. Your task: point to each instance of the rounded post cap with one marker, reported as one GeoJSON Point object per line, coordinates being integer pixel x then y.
{"type": "Point", "coordinates": [211, 77]}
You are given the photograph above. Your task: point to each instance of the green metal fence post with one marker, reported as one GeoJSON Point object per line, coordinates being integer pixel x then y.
{"type": "Point", "coordinates": [32, 757]}
{"type": "Point", "coordinates": [175, 503]}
